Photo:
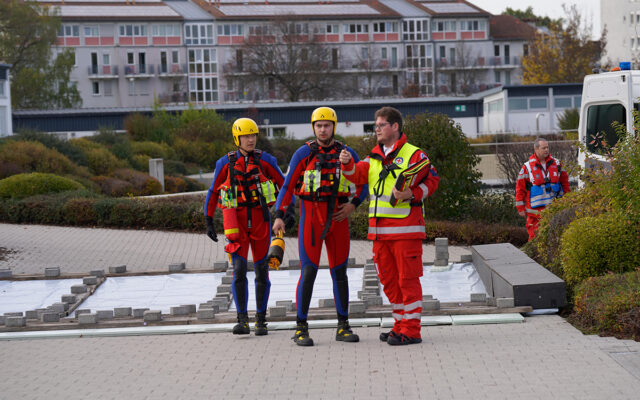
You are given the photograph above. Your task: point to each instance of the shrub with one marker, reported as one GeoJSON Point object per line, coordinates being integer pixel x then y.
{"type": "Point", "coordinates": [143, 128]}
{"type": "Point", "coordinates": [193, 185]}
{"type": "Point", "coordinates": [113, 187]}
{"type": "Point", "coordinates": [447, 148]}
{"type": "Point", "coordinates": [492, 208]}
{"type": "Point", "coordinates": [609, 305]}
{"type": "Point", "coordinates": [102, 161]}
{"type": "Point", "coordinates": [152, 149]}
{"type": "Point", "coordinates": [472, 233]}
{"type": "Point", "coordinates": [54, 142]}
{"type": "Point", "coordinates": [174, 167]}
{"type": "Point", "coordinates": [142, 184]}
{"type": "Point", "coordinates": [34, 157]}
{"type": "Point", "coordinates": [569, 119]}
{"type": "Point", "coordinates": [174, 184]}
{"type": "Point", "coordinates": [593, 246]}
{"type": "Point", "coordinates": [140, 162]}
{"type": "Point", "coordinates": [26, 185]}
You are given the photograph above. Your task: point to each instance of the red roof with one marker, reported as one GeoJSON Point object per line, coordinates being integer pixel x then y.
{"type": "Point", "coordinates": [509, 27]}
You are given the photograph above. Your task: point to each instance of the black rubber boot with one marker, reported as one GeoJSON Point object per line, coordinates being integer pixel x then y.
{"type": "Point", "coordinates": [344, 333]}
{"type": "Point", "coordinates": [242, 327]}
{"type": "Point", "coordinates": [261, 325]}
{"type": "Point", "coordinates": [301, 337]}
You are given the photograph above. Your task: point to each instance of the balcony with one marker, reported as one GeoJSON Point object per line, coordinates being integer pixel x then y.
{"type": "Point", "coordinates": [103, 71]}
{"type": "Point", "coordinates": [139, 70]}
{"type": "Point", "coordinates": [173, 98]}
{"type": "Point", "coordinates": [172, 70]}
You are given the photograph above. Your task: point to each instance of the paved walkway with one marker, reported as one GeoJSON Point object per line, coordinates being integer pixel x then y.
{"type": "Point", "coordinates": [542, 358]}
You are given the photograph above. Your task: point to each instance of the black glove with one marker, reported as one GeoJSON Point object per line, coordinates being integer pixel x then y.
{"type": "Point", "coordinates": [290, 217]}
{"type": "Point", "coordinates": [211, 231]}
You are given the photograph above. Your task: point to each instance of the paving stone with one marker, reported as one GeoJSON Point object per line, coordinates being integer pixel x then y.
{"type": "Point", "coordinates": [97, 272]}
{"type": "Point", "coordinates": [505, 302]}
{"type": "Point", "coordinates": [178, 310]}
{"type": "Point", "coordinates": [288, 304]}
{"type": "Point", "coordinates": [191, 308]}
{"type": "Point", "coordinates": [78, 289]}
{"type": "Point", "coordinates": [139, 312]}
{"type": "Point", "coordinates": [466, 258]}
{"type": "Point", "coordinates": [6, 273]}
{"type": "Point", "coordinates": [177, 267]}
{"type": "Point", "coordinates": [326, 303]}
{"type": "Point", "coordinates": [31, 314]}
{"type": "Point", "coordinates": [90, 280]}
{"type": "Point", "coordinates": [357, 307]}
{"type": "Point", "coordinates": [15, 321]}
{"type": "Point", "coordinates": [294, 263]}
{"type": "Point", "coordinates": [104, 314]}
{"type": "Point", "coordinates": [51, 272]}
{"type": "Point", "coordinates": [432, 304]}
{"type": "Point", "coordinates": [83, 311]}
{"type": "Point", "coordinates": [13, 314]}
{"type": "Point", "coordinates": [122, 312]}
{"type": "Point", "coordinates": [85, 319]}
{"type": "Point", "coordinates": [220, 266]}
{"type": "Point", "coordinates": [120, 269]}
{"type": "Point", "coordinates": [68, 298]}
{"type": "Point", "coordinates": [478, 297]}
{"type": "Point", "coordinates": [277, 311]}
{"type": "Point", "coordinates": [373, 301]}
{"type": "Point", "coordinates": [227, 280]}
{"type": "Point", "coordinates": [206, 313]}
{"type": "Point", "coordinates": [152, 315]}
{"type": "Point", "coordinates": [50, 317]}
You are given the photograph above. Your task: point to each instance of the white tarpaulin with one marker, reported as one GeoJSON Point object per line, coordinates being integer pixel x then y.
{"type": "Point", "coordinates": [23, 296]}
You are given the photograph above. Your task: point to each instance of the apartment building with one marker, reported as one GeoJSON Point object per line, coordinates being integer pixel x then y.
{"type": "Point", "coordinates": [130, 53]}
{"type": "Point", "coordinates": [621, 18]}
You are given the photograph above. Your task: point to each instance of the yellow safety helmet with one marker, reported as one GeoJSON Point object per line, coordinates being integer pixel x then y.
{"type": "Point", "coordinates": [243, 126]}
{"type": "Point", "coordinates": [324, 114]}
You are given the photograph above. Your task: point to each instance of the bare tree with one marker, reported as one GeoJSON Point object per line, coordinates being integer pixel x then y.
{"type": "Point", "coordinates": [466, 63]}
{"type": "Point", "coordinates": [285, 56]}
{"type": "Point", "coordinates": [373, 76]}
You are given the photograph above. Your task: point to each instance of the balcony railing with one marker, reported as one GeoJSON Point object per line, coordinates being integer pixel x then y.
{"type": "Point", "coordinates": [103, 70]}
{"type": "Point", "coordinates": [166, 98]}
{"type": "Point", "coordinates": [172, 69]}
{"type": "Point", "coordinates": [139, 69]}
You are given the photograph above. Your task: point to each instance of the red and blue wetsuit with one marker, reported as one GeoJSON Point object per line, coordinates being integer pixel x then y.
{"type": "Point", "coordinates": [253, 183]}
{"type": "Point", "coordinates": [315, 177]}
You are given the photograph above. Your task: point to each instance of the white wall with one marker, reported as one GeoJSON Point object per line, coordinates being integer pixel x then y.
{"type": "Point", "coordinates": [6, 128]}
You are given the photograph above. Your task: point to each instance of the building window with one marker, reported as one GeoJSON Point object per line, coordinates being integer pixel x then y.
{"type": "Point", "coordinates": [383, 53]}
{"type": "Point", "coordinates": [497, 76]}
{"type": "Point", "coordinates": [525, 49]}
{"type": "Point", "coordinates": [475, 25]}
{"type": "Point", "coordinates": [538, 104]}
{"type": "Point", "coordinates": [2, 81]}
{"type": "Point", "coordinates": [383, 27]}
{"type": "Point", "coordinates": [165, 30]}
{"type": "Point", "coordinates": [419, 56]}
{"type": "Point", "coordinates": [230, 30]}
{"type": "Point", "coordinates": [333, 28]}
{"type": "Point", "coordinates": [356, 28]}
{"type": "Point", "coordinates": [517, 104]}
{"type": "Point", "coordinates": [199, 33]}
{"type": "Point", "coordinates": [175, 59]}
{"type": "Point", "coordinates": [496, 50]}
{"type": "Point", "coordinates": [91, 31]}
{"type": "Point", "coordinates": [69, 31]}
{"type": "Point", "coordinates": [334, 58]}
{"type": "Point", "coordinates": [203, 89]}
{"type": "Point", "coordinates": [203, 61]}
{"type": "Point", "coordinates": [95, 88]}
{"type": "Point", "coordinates": [444, 26]}
{"type": "Point", "coordinates": [106, 86]}
{"type": "Point", "coordinates": [562, 102]}
{"type": "Point", "coordinates": [133, 30]}
{"type": "Point", "coordinates": [394, 57]}
{"type": "Point", "coordinates": [415, 29]}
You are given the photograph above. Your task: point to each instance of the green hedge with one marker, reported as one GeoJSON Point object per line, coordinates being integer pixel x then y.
{"type": "Point", "coordinates": [26, 185]}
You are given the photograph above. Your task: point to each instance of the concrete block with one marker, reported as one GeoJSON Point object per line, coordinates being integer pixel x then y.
{"type": "Point", "coordinates": [432, 304]}
{"type": "Point", "coordinates": [120, 269]}
{"type": "Point", "coordinates": [78, 289]}
{"type": "Point", "coordinates": [83, 311]}
{"type": "Point", "coordinates": [224, 289]}
{"type": "Point", "coordinates": [51, 272]}
{"type": "Point", "coordinates": [15, 321]}
{"type": "Point", "coordinates": [6, 273]}
{"type": "Point", "coordinates": [104, 314]}
{"type": "Point", "coordinates": [228, 272]}
{"type": "Point", "coordinates": [277, 311]}
{"type": "Point", "coordinates": [97, 272]}
{"type": "Point", "coordinates": [442, 252]}
{"type": "Point", "coordinates": [191, 308]}
{"type": "Point", "coordinates": [466, 258]}
{"type": "Point", "coordinates": [224, 296]}
{"type": "Point", "coordinates": [351, 262]}
{"type": "Point", "coordinates": [2, 318]}
{"type": "Point", "coordinates": [90, 280]}
{"type": "Point", "coordinates": [178, 310]}
{"type": "Point", "coordinates": [139, 312]}
{"type": "Point", "coordinates": [441, 262]}
{"type": "Point", "coordinates": [491, 301]}
{"type": "Point", "coordinates": [369, 261]}
{"type": "Point", "coordinates": [288, 304]}
{"type": "Point", "coordinates": [441, 242]}
{"type": "Point", "coordinates": [373, 301]}
{"type": "Point", "coordinates": [326, 303]}
{"type": "Point", "coordinates": [59, 307]}
{"type": "Point", "coordinates": [152, 315]}
{"type": "Point", "coordinates": [68, 298]}
{"type": "Point", "coordinates": [294, 264]}
{"type": "Point", "coordinates": [215, 308]}
{"type": "Point", "coordinates": [250, 266]}
{"type": "Point", "coordinates": [227, 280]}
{"type": "Point", "coordinates": [220, 266]}
{"type": "Point", "coordinates": [427, 297]}
{"type": "Point", "coordinates": [205, 305]}
{"type": "Point", "coordinates": [505, 302]}
{"type": "Point", "coordinates": [478, 297]}
{"type": "Point", "coordinates": [359, 294]}
{"type": "Point", "coordinates": [175, 267]}
{"type": "Point", "coordinates": [122, 312]}
{"type": "Point", "coordinates": [85, 319]}
{"type": "Point", "coordinates": [13, 314]}
{"type": "Point", "coordinates": [31, 314]}
{"type": "Point", "coordinates": [50, 317]}
{"type": "Point", "coordinates": [357, 307]}
{"type": "Point", "coordinates": [206, 313]}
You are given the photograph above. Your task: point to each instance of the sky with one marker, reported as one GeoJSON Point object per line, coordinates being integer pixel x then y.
{"type": "Point", "coordinates": [552, 8]}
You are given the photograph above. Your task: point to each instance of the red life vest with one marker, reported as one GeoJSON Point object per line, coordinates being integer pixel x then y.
{"type": "Point", "coordinates": [322, 175]}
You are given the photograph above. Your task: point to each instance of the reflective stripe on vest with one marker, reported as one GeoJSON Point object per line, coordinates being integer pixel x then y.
{"type": "Point", "coordinates": [379, 205]}
{"type": "Point", "coordinates": [391, 230]}
{"type": "Point", "coordinates": [542, 195]}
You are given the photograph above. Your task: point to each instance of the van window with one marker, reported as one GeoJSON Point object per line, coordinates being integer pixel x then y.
{"type": "Point", "coordinates": [599, 119]}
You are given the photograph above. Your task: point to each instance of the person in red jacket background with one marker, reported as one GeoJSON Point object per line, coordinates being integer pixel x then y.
{"type": "Point", "coordinates": [397, 229]}
{"type": "Point", "coordinates": [540, 181]}
{"type": "Point", "coordinates": [245, 184]}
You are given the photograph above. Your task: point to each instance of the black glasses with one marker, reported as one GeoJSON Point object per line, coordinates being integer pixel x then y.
{"type": "Point", "coordinates": [380, 126]}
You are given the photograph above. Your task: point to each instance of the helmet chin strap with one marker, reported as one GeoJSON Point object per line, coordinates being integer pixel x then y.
{"type": "Point", "coordinates": [325, 143]}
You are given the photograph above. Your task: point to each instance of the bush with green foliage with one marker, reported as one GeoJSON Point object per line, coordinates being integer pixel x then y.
{"type": "Point", "coordinates": [26, 185]}
{"type": "Point", "coordinates": [569, 119]}
{"type": "Point", "coordinates": [54, 142]}
{"type": "Point", "coordinates": [609, 305]}
{"type": "Point", "coordinates": [142, 184]}
{"type": "Point", "coordinates": [103, 162]}
{"type": "Point", "coordinates": [447, 148]}
{"type": "Point", "coordinates": [594, 246]}
{"type": "Point", "coordinates": [117, 143]}
{"type": "Point", "coordinates": [23, 157]}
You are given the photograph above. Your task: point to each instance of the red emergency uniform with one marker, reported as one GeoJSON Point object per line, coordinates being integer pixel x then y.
{"type": "Point", "coordinates": [537, 186]}
{"type": "Point", "coordinates": [397, 240]}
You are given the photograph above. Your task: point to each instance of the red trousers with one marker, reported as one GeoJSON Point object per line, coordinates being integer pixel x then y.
{"type": "Point", "coordinates": [399, 265]}
{"type": "Point", "coordinates": [532, 224]}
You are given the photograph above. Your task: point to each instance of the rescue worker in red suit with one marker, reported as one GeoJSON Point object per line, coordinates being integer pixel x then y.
{"type": "Point", "coordinates": [244, 185]}
{"type": "Point", "coordinates": [540, 181]}
{"type": "Point", "coordinates": [326, 201]}
{"type": "Point", "coordinates": [397, 230]}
